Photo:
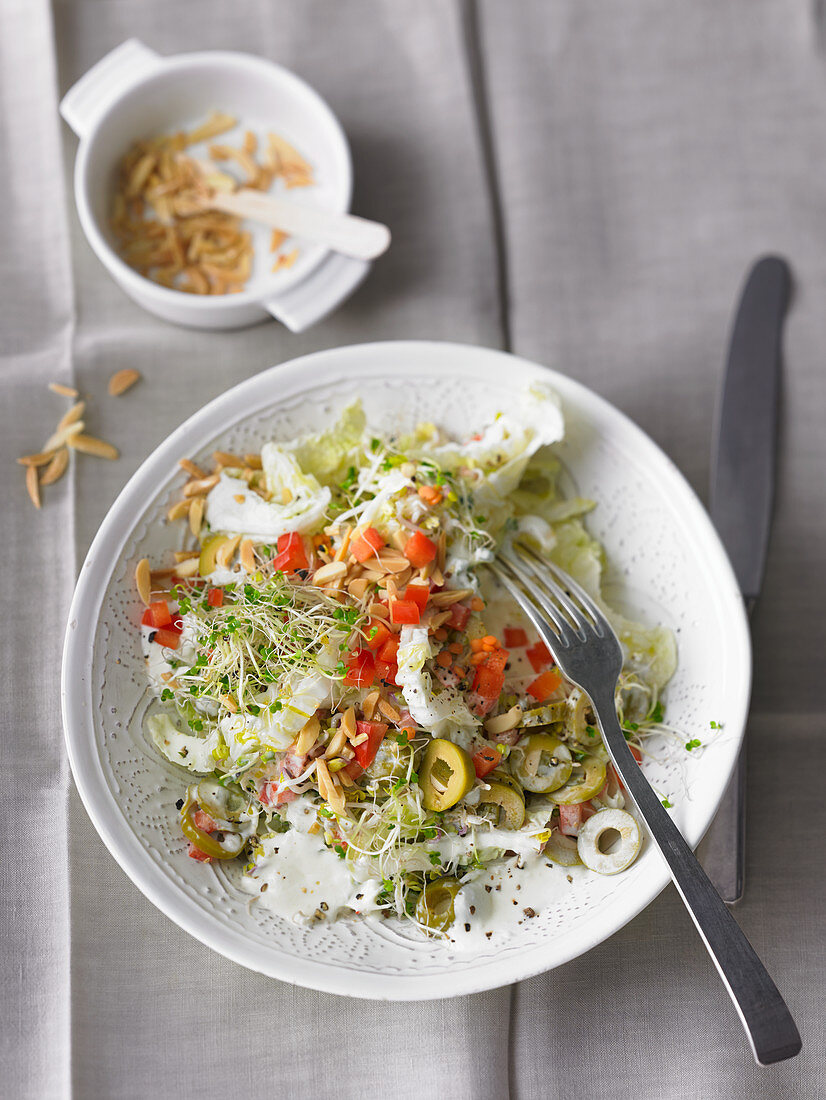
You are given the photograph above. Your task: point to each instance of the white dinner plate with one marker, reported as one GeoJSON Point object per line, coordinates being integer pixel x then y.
{"type": "Point", "coordinates": [665, 563]}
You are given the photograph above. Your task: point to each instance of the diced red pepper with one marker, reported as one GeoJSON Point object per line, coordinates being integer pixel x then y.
{"type": "Point", "coordinates": [635, 752]}
{"type": "Point", "coordinates": [202, 820]}
{"type": "Point", "coordinates": [572, 818]}
{"type": "Point", "coordinates": [417, 594]}
{"type": "Point", "coordinates": [459, 615]}
{"type": "Point", "coordinates": [485, 760]}
{"type": "Point", "coordinates": [419, 550]}
{"type": "Point", "coordinates": [404, 611]}
{"type": "Point", "coordinates": [376, 634]}
{"type": "Point", "coordinates": [515, 637]}
{"type": "Point", "coordinates": [390, 650]}
{"type": "Point", "coordinates": [544, 685]}
{"type": "Point", "coordinates": [168, 638]}
{"type": "Point", "coordinates": [361, 671]}
{"type": "Point", "coordinates": [196, 853]}
{"type": "Point", "coordinates": [215, 597]}
{"type": "Point", "coordinates": [366, 751]}
{"type": "Point", "coordinates": [539, 656]}
{"type": "Point", "coordinates": [367, 544]}
{"type": "Point", "coordinates": [490, 674]}
{"type": "Point", "coordinates": [271, 796]}
{"type": "Point", "coordinates": [291, 553]}
{"type": "Point", "coordinates": [386, 671]}
{"type": "Point", "coordinates": [157, 614]}
{"type": "Point", "coordinates": [176, 626]}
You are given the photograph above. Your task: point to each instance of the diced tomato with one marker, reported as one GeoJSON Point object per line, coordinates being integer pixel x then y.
{"type": "Point", "coordinates": [404, 611]}
{"type": "Point", "coordinates": [515, 637]}
{"type": "Point", "coordinates": [489, 678]}
{"type": "Point", "coordinates": [459, 615]}
{"type": "Point", "coordinates": [386, 671]}
{"type": "Point", "coordinates": [544, 685]}
{"type": "Point", "coordinates": [215, 597]}
{"type": "Point", "coordinates": [417, 594]}
{"type": "Point", "coordinates": [361, 670]}
{"type": "Point", "coordinates": [419, 550]}
{"type": "Point", "coordinates": [168, 638]}
{"type": "Point", "coordinates": [539, 656]}
{"type": "Point", "coordinates": [572, 818]}
{"type": "Point", "coordinates": [635, 752]}
{"type": "Point", "coordinates": [157, 614]}
{"type": "Point", "coordinates": [271, 796]}
{"type": "Point", "coordinates": [202, 820]}
{"type": "Point", "coordinates": [354, 769]}
{"type": "Point", "coordinates": [291, 553]}
{"type": "Point", "coordinates": [376, 633]}
{"type": "Point", "coordinates": [176, 626]}
{"type": "Point", "coordinates": [366, 751]}
{"type": "Point", "coordinates": [390, 650]}
{"type": "Point", "coordinates": [485, 760]}
{"type": "Point", "coordinates": [196, 853]}
{"type": "Point", "coordinates": [367, 544]}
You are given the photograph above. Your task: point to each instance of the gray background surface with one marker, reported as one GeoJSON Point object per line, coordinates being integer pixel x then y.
{"type": "Point", "coordinates": [585, 183]}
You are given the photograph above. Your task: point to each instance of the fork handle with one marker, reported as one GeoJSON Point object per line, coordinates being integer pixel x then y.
{"type": "Point", "coordinates": [771, 1031]}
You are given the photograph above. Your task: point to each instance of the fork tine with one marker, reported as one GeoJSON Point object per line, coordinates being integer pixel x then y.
{"type": "Point", "coordinates": [585, 614]}
{"type": "Point", "coordinates": [552, 595]}
{"type": "Point", "coordinates": [548, 635]}
{"type": "Point", "coordinates": [562, 625]}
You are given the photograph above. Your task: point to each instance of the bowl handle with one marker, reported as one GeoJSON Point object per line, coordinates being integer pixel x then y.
{"type": "Point", "coordinates": [90, 96]}
{"type": "Point", "coordinates": [319, 294]}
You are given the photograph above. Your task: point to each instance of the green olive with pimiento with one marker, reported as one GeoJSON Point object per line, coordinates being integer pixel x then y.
{"type": "Point", "coordinates": [209, 552]}
{"type": "Point", "coordinates": [541, 763]}
{"type": "Point", "coordinates": [446, 774]}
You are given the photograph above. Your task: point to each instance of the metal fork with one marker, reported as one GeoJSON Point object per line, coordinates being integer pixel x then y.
{"type": "Point", "coordinates": [589, 654]}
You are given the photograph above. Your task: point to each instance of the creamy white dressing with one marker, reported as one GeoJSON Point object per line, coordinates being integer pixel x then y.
{"type": "Point", "coordinates": [234, 509]}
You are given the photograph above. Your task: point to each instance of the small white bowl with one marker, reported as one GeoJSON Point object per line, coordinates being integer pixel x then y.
{"type": "Point", "coordinates": [132, 93]}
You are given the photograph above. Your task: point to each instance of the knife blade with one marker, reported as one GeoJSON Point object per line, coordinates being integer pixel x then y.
{"type": "Point", "coordinates": [741, 501]}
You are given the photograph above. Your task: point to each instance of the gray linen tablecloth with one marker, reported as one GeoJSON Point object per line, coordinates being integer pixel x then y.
{"type": "Point", "coordinates": [581, 181]}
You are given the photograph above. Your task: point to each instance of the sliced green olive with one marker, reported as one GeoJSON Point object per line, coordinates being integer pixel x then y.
{"type": "Point", "coordinates": [219, 801]}
{"type": "Point", "coordinates": [504, 805]}
{"type": "Point", "coordinates": [540, 763]}
{"type": "Point", "coordinates": [579, 719]}
{"type": "Point", "coordinates": [202, 841]}
{"type": "Point", "coordinates": [446, 774]}
{"type": "Point", "coordinates": [586, 779]}
{"type": "Point", "coordinates": [209, 550]}
{"type": "Point", "coordinates": [502, 776]}
{"type": "Point", "coordinates": [435, 906]}
{"type": "Point", "coordinates": [563, 850]}
{"type": "Point", "coordinates": [544, 716]}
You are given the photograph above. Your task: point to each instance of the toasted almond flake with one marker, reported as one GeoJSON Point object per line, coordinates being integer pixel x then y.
{"type": "Point", "coordinates": [72, 415]}
{"type": "Point", "coordinates": [188, 568]}
{"type": "Point", "coordinates": [253, 461]}
{"type": "Point", "coordinates": [307, 737]}
{"type": "Point", "coordinates": [391, 562]}
{"type": "Point", "coordinates": [378, 610]}
{"type": "Point", "coordinates": [239, 498]}
{"type": "Point", "coordinates": [32, 485]}
{"type": "Point", "coordinates": [200, 485]}
{"type": "Point", "coordinates": [185, 555]}
{"type": "Point", "coordinates": [391, 588]}
{"type": "Point", "coordinates": [323, 779]}
{"type": "Point", "coordinates": [123, 380]}
{"type": "Point", "coordinates": [37, 460]}
{"type": "Point", "coordinates": [229, 703]}
{"type": "Point", "coordinates": [501, 723]}
{"type": "Point", "coordinates": [91, 445]}
{"type": "Point", "coordinates": [331, 572]}
{"type": "Point", "coordinates": [56, 468]}
{"type": "Point", "coordinates": [427, 571]}
{"type": "Point", "coordinates": [402, 579]}
{"type": "Point", "coordinates": [441, 551]}
{"type": "Point", "coordinates": [337, 743]}
{"type": "Point", "coordinates": [62, 437]}
{"type": "Point", "coordinates": [285, 260]}
{"type": "Point", "coordinates": [437, 578]}
{"type": "Point", "coordinates": [64, 391]}
{"type": "Point", "coordinates": [348, 723]}
{"type": "Point", "coordinates": [440, 619]}
{"type": "Point", "coordinates": [246, 554]}
{"type": "Point", "coordinates": [191, 468]}
{"type": "Point", "coordinates": [358, 587]}
{"type": "Point", "coordinates": [143, 581]}
{"type": "Point", "coordinates": [341, 553]}
{"type": "Point", "coordinates": [224, 458]}
{"type": "Point", "coordinates": [343, 778]}
{"type": "Point", "coordinates": [196, 515]}
{"type": "Point", "coordinates": [450, 597]}
{"type": "Point", "coordinates": [217, 123]}
{"type": "Point", "coordinates": [178, 510]}
{"type": "Point", "coordinates": [313, 830]}
{"type": "Point", "coordinates": [388, 710]}
{"type": "Point", "coordinates": [227, 551]}
{"type": "Point", "coordinates": [362, 737]}
{"type": "Point", "coordinates": [368, 706]}
{"type": "Point", "coordinates": [398, 538]}
{"type": "Point", "coordinates": [277, 238]}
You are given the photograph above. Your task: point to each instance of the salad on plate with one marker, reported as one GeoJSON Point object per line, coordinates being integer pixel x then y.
{"type": "Point", "coordinates": [362, 719]}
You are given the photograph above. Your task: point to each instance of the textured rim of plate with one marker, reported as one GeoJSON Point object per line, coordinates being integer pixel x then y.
{"type": "Point", "coordinates": [311, 373]}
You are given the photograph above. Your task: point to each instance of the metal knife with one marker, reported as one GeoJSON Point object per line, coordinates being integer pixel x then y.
{"type": "Point", "coordinates": [741, 498]}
